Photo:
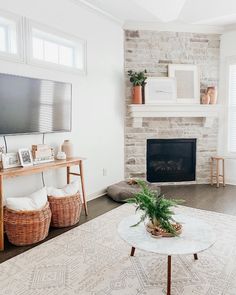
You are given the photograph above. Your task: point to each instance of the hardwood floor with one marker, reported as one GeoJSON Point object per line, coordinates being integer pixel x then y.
{"type": "Point", "coordinates": [205, 197]}
{"type": "Point", "coordinates": [222, 200]}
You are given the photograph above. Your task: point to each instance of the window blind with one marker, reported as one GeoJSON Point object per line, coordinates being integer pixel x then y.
{"type": "Point", "coordinates": [232, 110]}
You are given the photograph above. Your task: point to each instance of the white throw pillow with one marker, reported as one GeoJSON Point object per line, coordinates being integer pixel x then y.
{"type": "Point", "coordinates": [35, 201]}
{"type": "Point", "coordinates": [68, 190]}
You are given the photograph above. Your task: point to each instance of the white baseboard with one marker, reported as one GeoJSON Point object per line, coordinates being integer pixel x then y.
{"type": "Point", "coordinates": [97, 194]}
{"type": "Point", "coordinates": [230, 181]}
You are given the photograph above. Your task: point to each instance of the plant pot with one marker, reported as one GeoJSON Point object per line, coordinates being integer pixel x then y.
{"type": "Point", "coordinates": [137, 95]}
{"type": "Point", "coordinates": [158, 232]}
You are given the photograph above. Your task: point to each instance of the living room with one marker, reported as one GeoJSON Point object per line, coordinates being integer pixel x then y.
{"type": "Point", "coordinates": [105, 103]}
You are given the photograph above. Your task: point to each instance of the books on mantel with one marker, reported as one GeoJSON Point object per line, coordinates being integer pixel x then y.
{"type": "Point", "coordinates": [42, 153]}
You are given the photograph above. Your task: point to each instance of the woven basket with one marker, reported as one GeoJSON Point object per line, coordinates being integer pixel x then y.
{"type": "Point", "coordinates": [65, 210]}
{"type": "Point", "coordinates": [27, 227]}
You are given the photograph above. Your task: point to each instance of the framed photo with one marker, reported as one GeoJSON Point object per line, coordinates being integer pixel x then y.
{"type": "Point", "coordinates": [187, 79]}
{"type": "Point", "coordinates": [25, 156]}
{"type": "Point", "coordinates": [160, 90]}
{"type": "Point", "coordinates": [10, 160]}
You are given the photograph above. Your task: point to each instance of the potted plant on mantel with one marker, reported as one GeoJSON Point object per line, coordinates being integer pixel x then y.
{"type": "Point", "coordinates": [138, 80]}
{"type": "Point", "coordinates": [157, 212]}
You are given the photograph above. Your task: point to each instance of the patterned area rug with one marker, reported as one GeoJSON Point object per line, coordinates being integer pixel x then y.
{"type": "Point", "coordinates": [92, 259]}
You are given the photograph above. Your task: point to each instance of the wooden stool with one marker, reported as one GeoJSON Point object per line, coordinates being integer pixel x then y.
{"type": "Point", "coordinates": [220, 178]}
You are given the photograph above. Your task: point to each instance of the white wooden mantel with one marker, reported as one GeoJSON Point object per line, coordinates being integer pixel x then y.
{"type": "Point", "coordinates": [140, 111]}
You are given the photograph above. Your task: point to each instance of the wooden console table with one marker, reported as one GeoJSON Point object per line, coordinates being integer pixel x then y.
{"type": "Point", "coordinates": [19, 171]}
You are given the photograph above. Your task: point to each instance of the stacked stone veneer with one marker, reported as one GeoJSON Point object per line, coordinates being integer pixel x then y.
{"type": "Point", "coordinates": [153, 50]}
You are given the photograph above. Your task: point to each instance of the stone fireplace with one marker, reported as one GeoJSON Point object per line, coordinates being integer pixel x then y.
{"type": "Point", "coordinates": [153, 51]}
{"type": "Point", "coordinates": [171, 128]}
{"type": "Point", "coordinates": [171, 160]}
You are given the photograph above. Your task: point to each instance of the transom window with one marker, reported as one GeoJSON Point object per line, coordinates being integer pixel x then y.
{"type": "Point", "coordinates": [23, 40]}
{"type": "Point", "coordinates": [10, 36]}
{"type": "Point", "coordinates": [53, 48]}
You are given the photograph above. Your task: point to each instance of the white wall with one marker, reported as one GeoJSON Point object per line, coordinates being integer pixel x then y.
{"type": "Point", "coordinates": [98, 98]}
{"type": "Point", "coordinates": [227, 51]}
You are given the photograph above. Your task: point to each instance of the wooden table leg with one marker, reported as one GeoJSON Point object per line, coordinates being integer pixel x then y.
{"type": "Point", "coordinates": [211, 171]}
{"type": "Point", "coordinates": [68, 175]}
{"type": "Point", "coordinates": [223, 171]}
{"type": "Point", "coordinates": [1, 215]}
{"type": "Point", "coordinates": [83, 189]}
{"type": "Point", "coordinates": [217, 173]}
{"type": "Point", "coordinates": [195, 256]}
{"type": "Point", "coordinates": [132, 251]}
{"type": "Point", "coordinates": [169, 276]}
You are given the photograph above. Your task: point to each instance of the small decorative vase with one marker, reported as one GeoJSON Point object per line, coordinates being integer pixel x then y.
{"type": "Point", "coordinates": [61, 156]}
{"type": "Point", "coordinates": [67, 148]}
{"type": "Point", "coordinates": [212, 92]}
{"type": "Point", "coordinates": [137, 95]}
{"type": "Point", "coordinates": [206, 98]}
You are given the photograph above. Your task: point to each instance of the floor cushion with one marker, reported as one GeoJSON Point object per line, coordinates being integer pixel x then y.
{"type": "Point", "coordinates": [122, 190]}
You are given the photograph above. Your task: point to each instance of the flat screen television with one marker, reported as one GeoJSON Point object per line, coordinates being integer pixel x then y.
{"type": "Point", "coordinates": [29, 105]}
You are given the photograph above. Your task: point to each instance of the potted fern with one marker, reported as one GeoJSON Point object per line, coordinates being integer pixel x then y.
{"type": "Point", "coordinates": [156, 211]}
{"type": "Point", "coordinates": [138, 80]}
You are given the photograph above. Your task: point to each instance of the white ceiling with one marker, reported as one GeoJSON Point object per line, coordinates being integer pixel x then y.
{"type": "Point", "coordinates": [187, 12]}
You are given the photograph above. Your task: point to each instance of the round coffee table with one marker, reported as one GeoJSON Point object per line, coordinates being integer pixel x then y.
{"type": "Point", "coordinates": [196, 237]}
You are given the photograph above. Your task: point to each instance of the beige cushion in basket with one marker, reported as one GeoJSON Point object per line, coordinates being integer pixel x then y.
{"type": "Point", "coordinates": [35, 201]}
{"type": "Point", "coordinates": [68, 190]}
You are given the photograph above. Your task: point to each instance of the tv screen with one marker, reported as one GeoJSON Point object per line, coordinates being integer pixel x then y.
{"type": "Point", "coordinates": [29, 105]}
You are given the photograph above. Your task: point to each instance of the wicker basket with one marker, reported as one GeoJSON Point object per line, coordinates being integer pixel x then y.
{"type": "Point", "coordinates": [65, 210]}
{"type": "Point", "coordinates": [27, 227]}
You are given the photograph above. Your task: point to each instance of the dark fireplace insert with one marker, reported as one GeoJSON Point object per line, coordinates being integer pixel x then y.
{"type": "Point", "coordinates": [171, 160]}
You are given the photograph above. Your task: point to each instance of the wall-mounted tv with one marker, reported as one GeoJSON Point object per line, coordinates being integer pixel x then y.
{"type": "Point", "coordinates": [29, 105]}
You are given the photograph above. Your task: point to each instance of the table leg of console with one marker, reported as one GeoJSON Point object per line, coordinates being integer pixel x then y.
{"type": "Point", "coordinates": [68, 175]}
{"type": "Point", "coordinates": [82, 186]}
{"type": "Point", "coordinates": [1, 215]}
{"type": "Point", "coordinates": [81, 175]}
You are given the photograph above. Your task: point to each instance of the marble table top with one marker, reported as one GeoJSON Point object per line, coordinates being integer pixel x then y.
{"type": "Point", "coordinates": [196, 236]}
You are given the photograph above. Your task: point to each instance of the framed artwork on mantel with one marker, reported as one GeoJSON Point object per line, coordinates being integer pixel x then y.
{"type": "Point", "coordinates": [160, 90]}
{"type": "Point", "coordinates": [187, 80]}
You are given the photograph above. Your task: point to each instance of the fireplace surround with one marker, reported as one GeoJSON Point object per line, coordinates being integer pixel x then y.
{"type": "Point", "coordinates": [171, 160]}
{"type": "Point", "coordinates": [154, 51]}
